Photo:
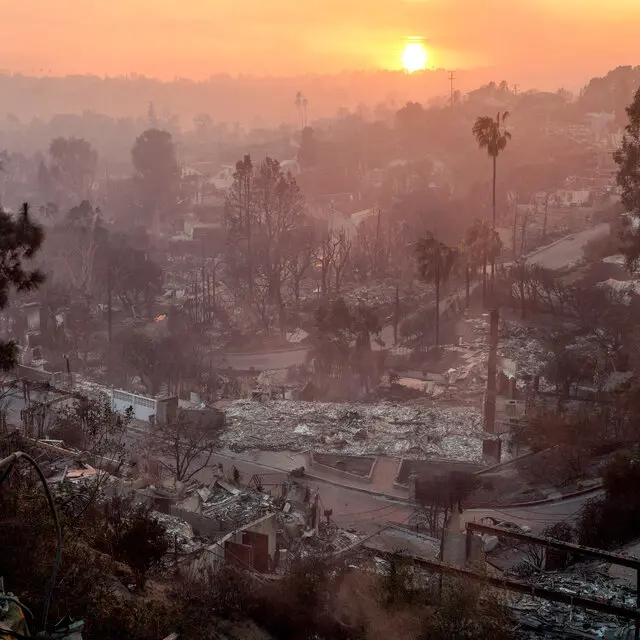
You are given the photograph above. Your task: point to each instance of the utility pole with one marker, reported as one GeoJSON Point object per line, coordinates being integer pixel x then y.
{"type": "Point", "coordinates": [452, 77]}
{"type": "Point", "coordinates": [376, 266]}
{"type": "Point", "coordinates": [204, 305]}
{"type": "Point", "coordinates": [546, 212]}
{"type": "Point", "coordinates": [515, 89]}
{"type": "Point", "coordinates": [396, 315]}
{"type": "Point", "coordinates": [523, 238]}
{"type": "Point", "coordinates": [109, 314]}
{"type": "Point", "coordinates": [515, 224]}
{"type": "Point", "coordinates": [106, 175]}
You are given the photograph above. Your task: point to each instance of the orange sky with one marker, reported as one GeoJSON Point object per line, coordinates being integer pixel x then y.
{"type": "Point", "coordinates": [196, 38]}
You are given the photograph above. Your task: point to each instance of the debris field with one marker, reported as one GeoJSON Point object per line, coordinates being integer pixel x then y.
{"type": "Point", "coordinates": [357, 429]}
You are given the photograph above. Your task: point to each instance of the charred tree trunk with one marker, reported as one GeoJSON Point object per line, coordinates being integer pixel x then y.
{"type": "Point", "coordinates": [467, 284]}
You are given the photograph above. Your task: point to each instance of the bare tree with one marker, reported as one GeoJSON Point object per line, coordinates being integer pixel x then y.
{"type": "Point", "coordinates": [264, 208]}
{"type": "Point", "coordinates": [184, 445]}
{"type": "Point", "coordinates": [239, 211]}
{"type": "Point", "coordinates": [73, 165]}
{"type": "Point", "coordinates": [323, 255]}
{"type": "Point", "coordinates": [71, 248]}
{"type": "Point", "coordinates": [341, 257]}
{"type": "Point", "coordinates": [298, 261]}
{"type": "Point", "coordinates": [371, 251]}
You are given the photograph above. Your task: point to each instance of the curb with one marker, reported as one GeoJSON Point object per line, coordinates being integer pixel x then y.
{"type": "Point", "coordinates": [386, 496]}
{"type": "Point", "coordinates": [535, 503]}
{"type": "Point", "coordinates": [506, 463]}
{"type": "Point", "coordinates": [370, 492]}
{"type": "Point", "coordinates": [535, 252]}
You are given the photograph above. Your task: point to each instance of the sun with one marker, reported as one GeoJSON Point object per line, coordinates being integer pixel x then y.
{"type": "Point", "coordinates": [414, 57]}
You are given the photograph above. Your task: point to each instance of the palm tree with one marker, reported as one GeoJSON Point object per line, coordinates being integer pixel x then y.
{"type": "Point", "coordinates": [483, 246]}
{"type": "Point", "coordinates": [492, 136]}
{"type": "Point", "coordinates": [299, 102]}
{"type": "Point", "coordinates": [435, 264]}
{"type": "Point", "coordinates": [465, 266]}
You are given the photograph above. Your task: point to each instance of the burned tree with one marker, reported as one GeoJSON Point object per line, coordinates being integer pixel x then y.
{"type": "Point", "coordinates": [92, 425]}
{"type": "Point", "coordinates": [263, 210]}
{"type": "Point", "coordinates": [185, 443]}
{"type": "Point", "coordinates": [435, 264]}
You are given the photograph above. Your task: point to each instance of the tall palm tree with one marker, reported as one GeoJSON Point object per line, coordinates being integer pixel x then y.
{"type": "Point", "coordinates": [491, 135]}
{"type": "Point", "coordinates": [435, 264]}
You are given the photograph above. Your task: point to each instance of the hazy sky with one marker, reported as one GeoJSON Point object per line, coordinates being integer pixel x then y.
{"type": "Point", "coordinates": [568, 39]}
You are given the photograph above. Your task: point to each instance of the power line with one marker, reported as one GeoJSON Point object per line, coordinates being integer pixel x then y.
{"type": "Point", "coordinates": [391, 507]}
{"type": "Point", "coordinates": [361, 520]}
{"type": "Point", "coordinates": [373, 535]}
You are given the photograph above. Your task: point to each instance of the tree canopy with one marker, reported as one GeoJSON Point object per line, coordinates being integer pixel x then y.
{"type": "Point", "coordinates": [20, 240]}
{"type": "Point", "coordinates": [628, 160]}
{"type": "Point", "coordinates": [73, 166]}
{"type": "Point", "coordinates": [157, 174]}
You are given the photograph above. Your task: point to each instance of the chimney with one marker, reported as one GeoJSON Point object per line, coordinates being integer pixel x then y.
{"type": "Point", "coordinates": [413, 480]}
{"type": "Point", "coordinates": [490, 397]}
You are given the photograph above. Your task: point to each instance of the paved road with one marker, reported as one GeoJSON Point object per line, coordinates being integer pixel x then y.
{"type": "Point", "coordinates": [568, 250]}
{"type": "Point", "coordinates": [536, 517]}
{"type": "Point", "coordinates": [367, 513]}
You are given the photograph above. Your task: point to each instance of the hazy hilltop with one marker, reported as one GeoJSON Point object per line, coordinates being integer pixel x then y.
{"type": "Point", "coordinates": [254, 101]}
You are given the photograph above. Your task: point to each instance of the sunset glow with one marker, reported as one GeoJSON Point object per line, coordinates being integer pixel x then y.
{"type": "Point", "coordinates": [198, 38]}
{"type": "Point", "coordinates": [414, 57]}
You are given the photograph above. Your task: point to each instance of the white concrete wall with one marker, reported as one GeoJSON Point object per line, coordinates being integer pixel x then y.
{"type": "Point", "coordinates": [142, 406]}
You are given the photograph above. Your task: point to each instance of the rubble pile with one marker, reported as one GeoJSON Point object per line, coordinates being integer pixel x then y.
{"type": "Point", "coordinates": [524, 346]}
{"type": "Point", "coordinates": [225, 503]}
{"type": "Point", "coordinates": [233, 509]}
{"type": "Point", "coordinates": [518, 343]}
{"type": "Point", "coordinates": [330, 540]}
{"type": "Point", "coordinates": [544, 619]}
{"type": "Point", "coordinates": [357, 429]}
{"type": "Point", "coordinates": [382, 294]}
{"type": "Point", "coordinates": [180, 534]}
